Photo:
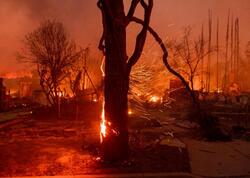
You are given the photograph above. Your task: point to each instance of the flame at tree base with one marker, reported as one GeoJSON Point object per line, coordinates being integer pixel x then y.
{"type": "Point", "coordinates": [103, 127]}
{"type": "Point", "coordinates": [106, 126]}
{"type": "Point", "coordinates": [111, 140]}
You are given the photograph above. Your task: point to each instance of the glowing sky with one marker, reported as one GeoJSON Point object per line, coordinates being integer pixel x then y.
{"type": "Point", "coordinates": [83, 21]}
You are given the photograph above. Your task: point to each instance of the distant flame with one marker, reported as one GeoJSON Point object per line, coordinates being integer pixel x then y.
{"type": "Point", "coordinates": [219, 91]}
{"type": "Point", "coordinates": [130, 112]}
{"type": "Point", "coordinates": [15, 75]}
{"type": "Point", "coordinates": [60, 94]}
{"type": "Point", "coordinates": [154, 99]}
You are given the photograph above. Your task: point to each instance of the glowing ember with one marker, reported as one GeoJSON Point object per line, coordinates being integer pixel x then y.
{"type": "Point", "coordinates": [219, 91]}
{"type": "Point", "coordinates": [130, 112]}
{"type": "Point", "coordinates": [60, 94]}
{"type": "Point", "coordinates": [154, 99]}
{"type": "Point", "coordinates": [98, 158]}
{"type": "Point", "coordinates": [138, 94]}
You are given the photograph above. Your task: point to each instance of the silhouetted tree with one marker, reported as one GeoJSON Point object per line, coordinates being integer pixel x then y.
{"type": "Point", "coordinates": [187, 54]}
{"type": "Point", "coordinates": [201, 113]}
{"type": "Point", "coordinates": [53, 52]}
{"type": "Point", "coordinates": [117, 70]}
{"type": "Point", "coordinates": [207, 122]}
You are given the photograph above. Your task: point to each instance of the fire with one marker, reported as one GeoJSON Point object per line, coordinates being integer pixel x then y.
{"type": "Point", "coordinates": [102, 66]}
{"type": "Point", "coordinates": [219, 90]}
{"type": "Point", "coordinates": [18, 74]}
{"type": "Point", "coordinates": [60, 94]}
{"type": "Point", "coordinates": [154, 99]}
{"type": "Point", "coordinates": [103, 127]}
{"type": "Point", "coordinates": [130, 112]}
{"type": "Point", "coordinates": [103, 123]}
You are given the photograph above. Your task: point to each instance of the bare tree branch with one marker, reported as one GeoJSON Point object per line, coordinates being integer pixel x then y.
{"type": "Point", "coordinates": [101, 45]}
{"type": "Point", "coordinates": [50, 48]}
{"type": "Point", "coordinates": [132, 8]}
{"type": "Point", "coordinates": [165, 60]}
{"type": "Point", "coordinates": [141, 37]}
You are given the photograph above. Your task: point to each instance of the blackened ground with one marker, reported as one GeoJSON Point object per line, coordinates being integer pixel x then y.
{"type": "Point", "coordinates": [43, 145]}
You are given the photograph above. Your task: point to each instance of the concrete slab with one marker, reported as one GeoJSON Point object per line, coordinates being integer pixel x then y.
{"type": "Point", "coordinates": [217, 159]}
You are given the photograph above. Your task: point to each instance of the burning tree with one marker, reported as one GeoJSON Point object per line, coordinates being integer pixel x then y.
{"type": "Point", "coordinates": [114, 127]}
{"type": "Point", "coordinates": [53, 52]}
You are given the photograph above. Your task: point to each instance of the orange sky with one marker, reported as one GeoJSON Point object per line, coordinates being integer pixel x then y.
{"type": "Point", "coordinates": [83, 21]}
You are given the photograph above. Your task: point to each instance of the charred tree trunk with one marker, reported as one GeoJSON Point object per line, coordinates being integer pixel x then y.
{"type": "Point", "coordinates": [116, 81]}
{"type": "Point", "coordinates": [192, 82]}
{"type": "Point", "coordinates": [115, 145]}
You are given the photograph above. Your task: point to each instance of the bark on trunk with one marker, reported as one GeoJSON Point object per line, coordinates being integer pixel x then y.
{"type": "Point", "coordinates": [116, 83]}
{"type": "Point", "coordinates": [115, 144]}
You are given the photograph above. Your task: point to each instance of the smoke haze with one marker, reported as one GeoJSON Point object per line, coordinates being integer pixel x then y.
{"type": "Point", "coordinates": [83, 21]}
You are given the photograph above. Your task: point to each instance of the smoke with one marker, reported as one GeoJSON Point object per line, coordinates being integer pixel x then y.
{"type": "Point", "coordinates": [19, 17]}
{"type": "Point", "coordinates": [82, 20]}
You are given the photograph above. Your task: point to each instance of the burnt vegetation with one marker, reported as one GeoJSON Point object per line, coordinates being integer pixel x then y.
{"type": "Point", "coordinates": [53, 53]}
{"type": "Point", "coordinates": [113, 112]}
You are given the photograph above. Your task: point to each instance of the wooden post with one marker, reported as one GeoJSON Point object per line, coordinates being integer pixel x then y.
{"type": "Point", "coordinates": [209, 49]}
{"type": "Point", "coordinates": [217, 56]}
{"type": "Point", "coordinates": [225, 87]}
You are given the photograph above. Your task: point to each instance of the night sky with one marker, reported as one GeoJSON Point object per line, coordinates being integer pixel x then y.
{"type": "Point", "coordinates": [83, 21]}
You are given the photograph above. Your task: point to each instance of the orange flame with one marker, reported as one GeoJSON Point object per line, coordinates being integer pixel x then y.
{"type": "Point", "coordinates": [103, 127]}
{"type": "Point", "coordinates": [18, 74]}
{"type": "Point", "coordinates": [154, 99]}
{"type": "Point", "coordinates": [102, 66]}
{"type": "Point", "coordinates": [103, 123]}
{"type": "Point", "coordinates": [130, 112]}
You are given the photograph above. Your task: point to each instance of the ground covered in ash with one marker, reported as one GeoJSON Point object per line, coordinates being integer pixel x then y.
{"type": "Point", "coordinates": [40, 144]}
{"type": "Point", "coordinates": [163, 138]}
